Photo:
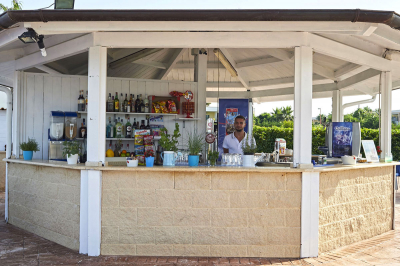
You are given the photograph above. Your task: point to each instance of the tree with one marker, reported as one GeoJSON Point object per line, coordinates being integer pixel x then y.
{"type": "Point", "coordinates": [277, 114]}
{"type": "Point", "coordinates": [15, 5]}
{"type": "Point", "coordinates": [287, 113]}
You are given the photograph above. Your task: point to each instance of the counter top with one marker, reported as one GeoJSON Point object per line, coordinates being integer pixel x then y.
{"type": "Point", "coordinates": [338, 167]}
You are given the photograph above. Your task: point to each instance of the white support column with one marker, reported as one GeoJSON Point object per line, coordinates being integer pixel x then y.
{"type": "Point", "coordinates": [94, 212]}
{"type": "Point", "coordinates": [309, 214]}
{"type": "Point", "coordinates": [386, 116]}
{"type": "Point", "coordinates": [337, 102]}
{"type": "Point", "coordinates": [97, 78]}
{"type": "Point", "coordinates": [200, 76]}
{"type": "Point", "coordinates": [6, 199]}
{"type": "Point", "coordinates": [302, 131]}
{"type": "Point", "coordinates": [250, 118]}
{"type": "Point", "coordinates": [83, 219]}
{"type": "Point", "coordinates": [16, 121]}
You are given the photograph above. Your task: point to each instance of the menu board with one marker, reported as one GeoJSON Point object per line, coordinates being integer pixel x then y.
{"type": "Point", "coordinates": [370, 151]}
{"type": "Point", "coordinates": [342, 139]}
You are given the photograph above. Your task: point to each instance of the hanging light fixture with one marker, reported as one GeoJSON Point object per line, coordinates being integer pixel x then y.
{"type": "Point", "coordinates": [31, 36]}
{"type": "Point", "coordinates": [64, 4]}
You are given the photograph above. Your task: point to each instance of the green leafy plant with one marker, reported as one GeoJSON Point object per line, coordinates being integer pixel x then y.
{"type": "Point", "coordinates": [249, 146]}
{"type": "Point", "coordinates": [30, 145]}
{"type": "Point", "coordinates": [168, 142]}
{"type": "Point", "coordinates": [149, 153]}
{"type": "Point", "coordinates": [213, 156]}
{"type": "Point", "coordinates": [71, 148]}
{"type": "Point", "coordinates": [195, 143]}
{"type": "Point", "coordinates": [16, 5]}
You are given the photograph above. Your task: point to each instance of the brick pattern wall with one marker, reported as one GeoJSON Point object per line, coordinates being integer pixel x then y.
{"type": "Point", "coordinates": [201, 214]}
{"type": "Point", "coordinates": [2, 172]}
{"type": "Point", "coordinates": [45, 201]}
{"type": "Point", "coordinates": [354, 205]}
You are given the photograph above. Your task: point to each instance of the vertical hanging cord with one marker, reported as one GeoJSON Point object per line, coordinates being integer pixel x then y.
{"type": "Point", "coordinates": [380, 82]}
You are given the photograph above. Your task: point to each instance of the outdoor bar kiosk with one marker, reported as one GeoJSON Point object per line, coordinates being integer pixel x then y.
{"type": "Point", "coordinates": [195, 211]}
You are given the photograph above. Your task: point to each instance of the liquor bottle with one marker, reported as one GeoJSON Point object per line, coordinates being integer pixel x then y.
{"type": "Point", "coordinates": [137, 104]}
{"type": "Point", "coordinates": [142, 126]}
{"type": "Point", "coordinates": [110, 104]}
{"type": "Point", "coordinates": [128, 106]}
{"type": "Point", "coordinates": [128, 153]}
{"type": "Point", "coordinates": [123, 129]}
{"type": "Point", "coordinates": [115, 128]}
{"type": "Point", "coordinates": [116, 154]}
{"type": "Point", "coordinates": [81, 102]}
{"type": "Point", "coordinates": [128, 129]}
{"type": "Point", "coordinates": [83, 130]}
{"type": "Point", "coordinates": [110, 129]}
{"type": "Point", "coordinates": [132, 103]}
{"type": "Point", "coordinates": [121, 104]}
{"type": "Point", "coordinates": [86, 101]}
{"type": "Point", "coordinates": [142, 109]}
{"type": "Point", "coordinates": [147, 124]}
{"type": "Point", "coordinates": [116, 103]}
{"type": "Point", "coordinates": [118, 127]}
{"type": "Point", "coordinates": [146, 104]}
{"type": "Point", "coordinates": [134, 126]}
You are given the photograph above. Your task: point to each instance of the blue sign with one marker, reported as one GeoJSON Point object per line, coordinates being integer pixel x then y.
{"type": "Point", "coordinates": [228, 110]}
{"type": "Point", "coordinates": [342, 138]}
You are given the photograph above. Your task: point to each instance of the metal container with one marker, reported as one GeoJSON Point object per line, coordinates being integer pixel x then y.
{"type": "Point", "coordinates": [56, 150]}
{"type": "Point", "coordinates": [56, 131]}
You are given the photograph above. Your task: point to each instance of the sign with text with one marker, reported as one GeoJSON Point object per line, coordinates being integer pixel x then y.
{"type": "Point", "coordinates": [370, 151]}
{"type": "Point", "coordinates": [342, 138]}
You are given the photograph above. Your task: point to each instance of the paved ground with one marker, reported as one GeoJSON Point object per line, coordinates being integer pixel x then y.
{"type": "Point", "coordinates": [18, 247]}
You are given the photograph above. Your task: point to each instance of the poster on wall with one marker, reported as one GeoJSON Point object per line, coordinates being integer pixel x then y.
{"type": "Point", "coordinates": [228, 110]}
{"type": "Point", "coordinates": [342, 139]}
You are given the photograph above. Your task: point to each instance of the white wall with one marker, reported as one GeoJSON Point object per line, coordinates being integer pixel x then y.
{"type": "Point", "coordinates": [3, 128]}
{"type": "Point", "coordinates": [43, 93]}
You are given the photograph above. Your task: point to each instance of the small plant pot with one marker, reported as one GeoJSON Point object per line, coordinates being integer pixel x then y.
{"type": "Point", "coordinates": [27, 155]}
{"type": "Point", "coordinates": [72, 159]}
{"type": "Point", "coordinates": [248, 161]}
{"type": "Point", "coordinates": [132, 163]}
{"type": "Point", "coordinates": [149, 161]}
{"type": "Point", "coordinates": [193, 160]}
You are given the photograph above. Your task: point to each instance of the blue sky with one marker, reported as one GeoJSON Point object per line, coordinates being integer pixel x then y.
{"type": "Point", "coordinates": [325, 104]}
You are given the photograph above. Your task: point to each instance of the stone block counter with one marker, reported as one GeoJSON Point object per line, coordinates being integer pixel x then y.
{"type": "Point", "coordinates": [205, 211]}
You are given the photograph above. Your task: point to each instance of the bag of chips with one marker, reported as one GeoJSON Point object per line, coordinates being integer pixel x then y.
{"type": "Point", "coordinates": [163, 106]}
{"type": "Point", "coordinates": [156, 107]}
{"type": "Point", "coordinates": [148, 140]}
{"type": "Point", "coordinates": [138, 139]}
{"type": "Point", "coordinates": [172, 107]}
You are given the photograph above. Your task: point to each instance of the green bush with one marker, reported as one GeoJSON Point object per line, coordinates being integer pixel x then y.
{"type": "Point", "coordinates": [265, 138]}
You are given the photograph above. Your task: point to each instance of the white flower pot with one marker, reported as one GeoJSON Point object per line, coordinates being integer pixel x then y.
{"type": "Point", "coordinates": [248, 161]}
{"type": "Point", "coordinates": [72, 159]}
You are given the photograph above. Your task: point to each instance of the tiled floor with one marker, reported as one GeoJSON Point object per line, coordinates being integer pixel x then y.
{"type": "Point", "coordinates": [18, 247]}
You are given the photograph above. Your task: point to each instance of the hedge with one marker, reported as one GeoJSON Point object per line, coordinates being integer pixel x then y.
{"type": "Point", "coordinates": [265, 138]}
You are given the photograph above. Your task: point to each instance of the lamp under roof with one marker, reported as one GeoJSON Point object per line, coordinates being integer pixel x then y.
{"type": "Point", "coordinates": [64, 4]}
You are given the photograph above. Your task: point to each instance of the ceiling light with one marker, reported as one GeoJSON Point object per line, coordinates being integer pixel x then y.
{"type": "Point", "coordinates": [29, 36]}
{"type": "Point", "coordinates": [64, 4]}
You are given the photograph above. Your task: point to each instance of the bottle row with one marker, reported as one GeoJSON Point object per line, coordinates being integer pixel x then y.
{"type": "Point", "coordinates": [121, 130]}
{"type": "Point", "coordinates": [114, 104]}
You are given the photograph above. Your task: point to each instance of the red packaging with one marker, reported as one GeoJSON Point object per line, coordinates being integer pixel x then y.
{"type": "Point", "coordinates": [148, 140]}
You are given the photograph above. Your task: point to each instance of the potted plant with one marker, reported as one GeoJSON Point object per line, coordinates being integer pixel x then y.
{"type": "Point", "coordinates": [28, 148]}
{"type": "Point", "coordinates": [212, 157]}
{"type": "Point", "coordinates": [149, 155]}
{"type": "Point", "coordinates": [72, 150]}
{"type": "Point", "coordinates": [195, 145]}
{"type": "Point", "coordinates": [249, 149]}
{"type": "Point", "coordinates": [170, 145]}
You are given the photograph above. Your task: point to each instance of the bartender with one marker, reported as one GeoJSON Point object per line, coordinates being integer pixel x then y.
{"type": "Point", "coordinates": [233, 142]}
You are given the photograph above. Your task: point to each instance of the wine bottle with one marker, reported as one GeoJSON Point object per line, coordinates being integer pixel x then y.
{"type": "Point", "coordinates": [116, 103]}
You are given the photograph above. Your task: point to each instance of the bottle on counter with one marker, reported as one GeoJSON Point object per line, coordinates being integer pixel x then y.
{"type": "Point", "coordinates": [115, 128]}
{"type": "Point", "coordinates": [86, 101]}
{"type": "Point", "coordinates": [147, 124]}
{"type": "Point", "coordinates": [110, 104]}
{"type": "Point", "coordinates": [118, 128]}
{"type": "Point", "coordinates": [137, 104]}
{"type": "Point", "coordinates": [128, 129]}
{"type": "Point", "coordinates": [83, 130]}
{"type": "Point", "coordinates": [121, 103]}
{"type": "Point", "coordinates": [123, 129]}
{"type": "Point", "coordinates": [128, 106]}
{"type": "Point", "coordinates": [81, 102]}
{"type": "Point", "coordinates": [126, 103]}
{"type": "Point", "coordinates": [132, 100]}
{"type": "Point", "coordinates": [110, 129]}
{"type": "Point", "coordinates": [146, 104]}
{"type": "Point", "coordinates": [142, 107]}
{"type": "Point", "coordinates": [134, 126]}
{"type": "Point", "coordinates": [142, 126]}
{"type": "Point", "coordinates": [116, 103]}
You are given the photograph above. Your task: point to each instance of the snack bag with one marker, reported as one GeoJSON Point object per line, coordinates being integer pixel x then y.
{"type": "Point", "coordinates": [172, 107]}
{"type": "Point", "coordinates": [163, 106]}
{"type": "Point", "coordinates": [156, 132]}
{"type": "Point", "coordinates": [139, 150]}
{"type": "Point", "coordinates": [148, 140]}
{"type": "Point", "coordinates": [138, 139]}
{"type": "Point", "coordinates": [156, 107]}
{"type": "Point", "coordinates": [148, 148]}
{"type": "Point", "coordinates": [141, 159]}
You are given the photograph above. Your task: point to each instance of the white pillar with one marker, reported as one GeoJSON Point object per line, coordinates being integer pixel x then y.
{"type": "Point", "coordinates": [97, 79]}
{"type": "Point", "coordinates": [302, 131]}
{"type": "Point", "coordinates": [386, 115]}
{"type": "Point", "coordinates": [200, 76]}
{"type": "Point", "coordinates": [17, 111]}
{"type": "Point", "coordinates": [250, 118]}
{"type": "Point", "coordinates": [337, 103]}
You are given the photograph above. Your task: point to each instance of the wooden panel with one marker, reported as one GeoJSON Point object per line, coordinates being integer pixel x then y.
{"type": "Point", "coordinates": [48, 106]}
{"type": "Point", "coordinates": [30, 94]}
{"type": "Point", "coordinates": [66, 94]}
{"type": "Point", "coordinates": [38, 116]}
{"type": "Point", "coordinates": [74, 94]}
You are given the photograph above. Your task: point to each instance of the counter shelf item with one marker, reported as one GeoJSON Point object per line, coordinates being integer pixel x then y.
{"type": "Point", "coordinates": [70, 125]}
{"type": "Point", "coordinates": [56, 125]}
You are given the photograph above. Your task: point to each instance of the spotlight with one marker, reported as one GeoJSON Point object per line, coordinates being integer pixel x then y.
{"type": "Point", "coordinates": [64, 4]}
{"type": "Point", "coordinates": [31, 36]}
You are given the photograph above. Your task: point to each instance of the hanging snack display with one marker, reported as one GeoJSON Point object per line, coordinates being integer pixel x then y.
{"type": "Point", "coordinates": [188, 106]}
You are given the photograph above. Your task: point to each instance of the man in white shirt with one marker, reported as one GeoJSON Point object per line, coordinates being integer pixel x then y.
{"type": "Point", "coordinates": [233, 142]}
